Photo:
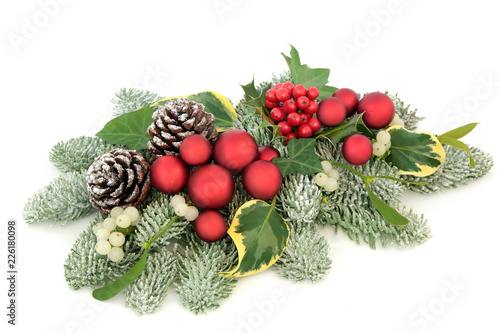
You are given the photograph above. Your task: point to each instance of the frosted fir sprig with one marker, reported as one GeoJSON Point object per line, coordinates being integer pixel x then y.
{"type": "Point", "coordinates": [132, 99]}
{"type": "Point", "coordinates": [85, 267]}
{"type": "Point", "coordinates": [145, 294]}
{"type": "Point", "coordinates": [455, 171]}
{"type": "Point", "coordinates": [64, 199]}
{"type": "Point", "coordinates": [299, 199]}
{"type": "Point", "coordinates": [409, 117]}
{"type": "Point", "coordinates": [306, 255]}
{"type": "Point", "coordinates": [79, 153]}
{"type": "Point", "coordinates": [199, 287]}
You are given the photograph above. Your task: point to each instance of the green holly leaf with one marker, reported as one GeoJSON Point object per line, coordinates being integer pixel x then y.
{"type": "Point", "coordinates": [352, 126]}
{"type": "Point", "coordinates": [215, 103]}
{"type": "Point", "coordinates": [308, 77]}
{"type": "Point", "coordinates": [302, 158]}
{"type": "Point", "coordinates": [260, 235]}
{"type": "Point", "coordinates": [253, 96]}
{"type": "Point", "coordinates": [129, 129]}
{"type": "Point", "coordinates": [419, 154]}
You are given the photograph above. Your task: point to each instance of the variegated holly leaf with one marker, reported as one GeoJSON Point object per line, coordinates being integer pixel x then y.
{"type": "Point", "coordinates": [418, 154]}
{"type": "Point", "coordinates": [215, 103]}
{"type": "Point", "coordinates": [260, 235]}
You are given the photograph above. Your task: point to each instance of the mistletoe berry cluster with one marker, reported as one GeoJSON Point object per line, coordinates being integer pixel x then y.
{"type": "Point", "coordinates": [293, 108]}
{"type": "Point", "coordinates": [328, 179]}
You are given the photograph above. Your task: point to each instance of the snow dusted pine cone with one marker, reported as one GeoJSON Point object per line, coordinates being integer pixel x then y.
{"type": "Point", "coordinates": [176, 121]}
{"type": "Point", "coordinates": [118, 178]}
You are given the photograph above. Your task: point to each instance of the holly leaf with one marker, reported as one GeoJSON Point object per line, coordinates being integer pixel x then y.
{"type": "Point", "coordinates": [215, 103]}
{"type": "Point", "coordinates": [253, 96]}
{"type": "Point", "coordinates": [308, 77]}
{"type": "Point", "coordinates": [352, 126]}
{"type": "Point", "coordinates": [260, 235]}
{"type": "Point", "coordinates": [302, 158]}
{"type": "Point", "coordinates": [418, 154]}
{"type": "Point", "coordinates": [129, 129]}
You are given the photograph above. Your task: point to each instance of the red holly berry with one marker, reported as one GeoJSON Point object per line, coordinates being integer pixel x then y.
{"type": "Point", "coordinates": [290, 106]}
{"type": "Point", "coordinates": [195, 150]}
{"type": "Point", "coordinates": [378, 110]}
{"type": "Point", "coordinates": [312, 93]}
{"type": "Point", "coordinates": [349, 97]}
{"type": "Point", "coordinates": [305, 131]}
{"type": "Point", "coordinates": [288, 86]}
{"type": "Point", "coordinates": [357, 149]}
{"type": "Point", "coordinates": [267, 153]}
{"type": "Point", "coordinates": [285, 127]}
{"type": "Point", "coordinates": [277, 114]}
{"type": "Point", "coordinates": [298, 91]}
{"type": "Point", "coordinates": [293, 119]}
{"type": "Point", "coordinates": [262, 179]}
{"type": "Point", "coordinates": [271, 96]}
{"type": "Point", "coordinates": [283, 95]}
{"type": "Point", "coordinates": [303, 118]}
{"type": "Point", "coordinates": [211, 186]}
{"type": "Point", "coordinates": [210, 226]}
{"type": "Point", "coordinates": [312, 107]}
{"type": "Point", "coordinates": [277, 86]}
{"type": "Point", "coordinates": [234, 150]}
{"type": "Point", "coordinates": [302, 102]}
{"type": "Point", "coordinates": [270, 105]}
{"type": "Point", "coordinates": [315, 124]}
{"type": "Point", "coordinates": [331, 111]}
{"type": "Point", "coordinates": [169, 174]}
{"type": "Point", "coordinates": [289, 136]}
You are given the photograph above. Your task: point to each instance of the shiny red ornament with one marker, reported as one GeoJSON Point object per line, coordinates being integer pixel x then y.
{"type": "Point", "coordinates": [331, 111]}
{"type": "Point", "coordinates": [234, 150]}
{"type": "Point", "coordinates": [262, 179]}
{"type": "Point", "coordinates": [378, 110]}
{"type": "Point", "coordinates": [195, 150]}
{"type": "Point", "coordinates": [267, 153]}
{"type": "Point", "coordinates": [169, 174]}
{"type": "Point", "coordinates": [210, 226]}
{"type": "Point", "coordinates": [357, 149]}
{"type": "Point", "coordinates": [349, 97]}
{"type": "Point", "coordinates": [211, 186]}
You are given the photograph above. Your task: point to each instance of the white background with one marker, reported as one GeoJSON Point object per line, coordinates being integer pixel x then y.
{"type": "Point", "coordinates": [57, 81]}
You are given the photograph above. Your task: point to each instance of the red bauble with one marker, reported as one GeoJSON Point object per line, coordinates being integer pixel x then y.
{"type": "Point", "coordinates": [349, 97]}
{"type": "Point", "coordinates": [210, 226]}
{"type": "Point", "coordinates": [262, 179]}
{"type": "Point", "coordinates": [331, 111]}
{"type": "Point", "coordinates": [267, 153]}
{"type": "Point", "coordinates": [210, 186]}
{"type": "Point", "coordinates": [234, 150]}
{"type": "Point", "coordinates": [357, 149]}
{"type": "Point", "coordinates": [378, 110]}
{"type": "Point", "coordinates": [195, 150]}
{"type": "Point", "coordinates": [169, 174]}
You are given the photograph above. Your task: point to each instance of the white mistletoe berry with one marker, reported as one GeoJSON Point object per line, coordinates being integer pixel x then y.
{"type": "Point", "coordinates": [103, 247]}
{"type": "Point", "coordinates": [116, 254]}
{"type": "Point", "coordinates": [321, 179]}
{"type": "Point", "coordinates": [192, 213]}
{"type": "Point", "coordinates": [177, 199]}
{"type": "Point", "coordinates": [117, 238]}
{"type": "Point", "coordinates": [123, 221]}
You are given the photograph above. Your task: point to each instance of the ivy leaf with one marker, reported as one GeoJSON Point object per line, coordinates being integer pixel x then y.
{"type": "Point", "coordinates": [419, 154]}
{"type": "Point", "coordinates": [129, 129]}
{"type": "Point", "coordinates": [302, 158]}
{"type": "Point", "coordinates": [308, 77]}
{"type": "Point", "coordinates": [260, 235]}
{"type": "Point", "coordinates": [215, 103]}
{"type": "Point", "coordinates": [348, 128]}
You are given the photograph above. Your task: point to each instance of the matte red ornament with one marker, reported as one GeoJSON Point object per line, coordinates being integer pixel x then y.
{"type": "Point", "coordinates": [357, 149]}
{"type": "Point", "coordinates": [262, 179]}
{"type": "Point", "coordinates": [210, 226]}
{"type": "Point", "coordinates": [169, 174]}
{"type": "Point", "coordinates": [234, 150]}
{"type": "Point", "coordinates": [211, 186]}
{"type": "Point", "coordinates": [195, 150]}
{"type": "Point", "coordinates": [378, 110]}
{"type": "Point", "coordinates": [331, 111]}
{"type": "Point", "coordinates": [267, 153]}
{"type": "Point", "coordinates": [350, 99]}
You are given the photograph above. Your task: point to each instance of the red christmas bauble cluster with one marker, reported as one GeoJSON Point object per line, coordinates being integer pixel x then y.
{"type": "Point", "coordinates": [211, 186]}
{"type": "Point", "coordinates": [293, 108]}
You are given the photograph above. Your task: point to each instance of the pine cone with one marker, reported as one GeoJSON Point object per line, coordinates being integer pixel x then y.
{"type": "Point", "coordinates": [118, 178]}
{"type": "Point", "coordinates": [176, 121]}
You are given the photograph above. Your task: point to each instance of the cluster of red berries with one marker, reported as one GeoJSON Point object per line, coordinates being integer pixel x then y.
{"type": "Point", "coordinates": [210, 186]}
{"type": "Point", "coordinates": [293, 108]}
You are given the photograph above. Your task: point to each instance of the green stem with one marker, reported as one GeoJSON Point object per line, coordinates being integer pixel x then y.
{"type": "Point", "coordinates": [155, 237]}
